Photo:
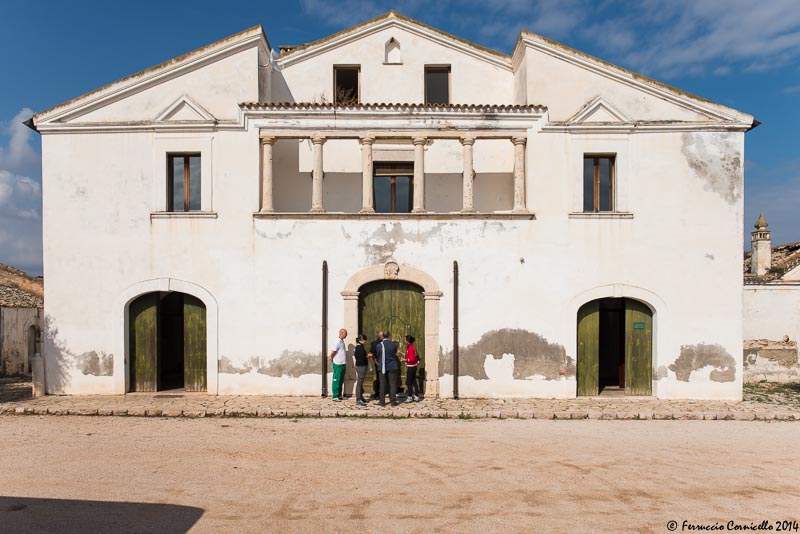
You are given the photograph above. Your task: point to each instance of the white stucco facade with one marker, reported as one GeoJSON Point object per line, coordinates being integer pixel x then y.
{"type": "Point", "coordinates": [673, 240]}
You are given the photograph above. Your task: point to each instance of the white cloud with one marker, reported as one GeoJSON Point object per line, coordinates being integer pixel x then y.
{"type": "Point", "coordinates": [19, 156]}
{"type": "Point", "coordinates": [665, 38]}
{"type": "Point", "coordinates": [20, 198]}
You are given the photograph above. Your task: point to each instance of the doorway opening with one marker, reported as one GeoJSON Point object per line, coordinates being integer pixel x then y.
{"type": "Point", "coordinates": [615, 348]}
{"type": "Point", "coordinates": [33, 348]}
{"type": "Point", "coordinates": [167, 341]}
{"type": "Point", "coordinates": [398, 307]}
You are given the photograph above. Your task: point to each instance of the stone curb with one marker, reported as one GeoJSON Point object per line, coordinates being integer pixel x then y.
{"type": "Point", "coordinates": [403, 413]}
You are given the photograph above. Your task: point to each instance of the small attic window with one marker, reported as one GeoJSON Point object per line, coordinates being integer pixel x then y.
{"type": "Point", "coordinates": [392, 53]}
{"type": "Point", "coordinates": [437, 84]}
{"type": "Point", "coordinates": [346, 82]}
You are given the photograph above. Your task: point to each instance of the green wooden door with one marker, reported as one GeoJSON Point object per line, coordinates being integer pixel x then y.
{"type": "Point", "coordinates": [398, 307]}
{"type": "Point", "coordinates": [194, 344]}
{"type": "Point", "coordinates": [588, 373]}
{"type": "Point", "coordinates": [143, 325]}
{"type": "Point", "coordinates": [638, 348]}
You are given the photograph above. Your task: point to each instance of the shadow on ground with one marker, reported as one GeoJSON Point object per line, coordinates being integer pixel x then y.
{"type": "Point", "coordinates": [27, 514]}
{"type": "Point", "coordinates": [15, 389]}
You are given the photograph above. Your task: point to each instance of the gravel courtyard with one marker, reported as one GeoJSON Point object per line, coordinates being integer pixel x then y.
{"type": "Point", "coordinates": [130, 474]}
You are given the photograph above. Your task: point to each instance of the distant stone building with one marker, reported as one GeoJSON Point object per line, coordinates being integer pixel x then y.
{"type": "Point", "coordinates": [21, 303]}
{"type": "Point", "coordinates": [771, 306]}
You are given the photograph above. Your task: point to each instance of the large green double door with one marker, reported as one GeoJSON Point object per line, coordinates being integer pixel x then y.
{"type": "Point", "coordinates": [396, 306]}
{"type": "Point", "coordinates": [615, 336]}
{"type": "Point", "coordinates": [167, 342]}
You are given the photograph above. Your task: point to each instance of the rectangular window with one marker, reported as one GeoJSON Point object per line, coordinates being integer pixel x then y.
{"type": "Point", "coordinates": [598, 183]}
{"type": "Point", "coordinates": [394, 187]}
{"type": "Point", "coordinates": [346, 82]}
{"type": "Point", "coordinates": [437, 85]}
{"type": "Point", "coordinates": [183, 182]}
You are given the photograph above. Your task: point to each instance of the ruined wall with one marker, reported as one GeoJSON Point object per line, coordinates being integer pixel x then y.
{"type": "Point", "coordinates": [14, 342]}
{"type": "Point", "coordinates": [771, 322]}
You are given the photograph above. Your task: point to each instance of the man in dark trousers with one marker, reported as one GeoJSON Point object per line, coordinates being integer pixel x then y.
{"type": "Point", "coordinates": [388, 368]}
{"type": "Point", "coordinates": [373, 353]}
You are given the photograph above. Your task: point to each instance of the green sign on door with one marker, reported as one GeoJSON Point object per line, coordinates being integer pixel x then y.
{"type": "Point", "coordinates": [638, 326]}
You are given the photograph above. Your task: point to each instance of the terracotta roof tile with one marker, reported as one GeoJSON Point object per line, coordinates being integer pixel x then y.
{"type": "Point", "coordinates": [484, 108]}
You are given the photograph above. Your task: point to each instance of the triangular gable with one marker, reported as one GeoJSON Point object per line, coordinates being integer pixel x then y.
{"type": "Point", "coordinates": [682, 99]}
{"type": "Point", "coordinates": [185, 109]}
{"type": "Point", "coordinates": [598, 110]}
{"type": "Point", "coordinates": [130, 84]}
{"type": "Point", "coordinates": [792, 274]}
{"type": "Point", "coordinates": [389, 20]}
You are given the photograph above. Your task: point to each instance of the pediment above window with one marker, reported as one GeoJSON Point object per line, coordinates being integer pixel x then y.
{"type": "Point", "coordinates": [598, 111]}
{"type": "Point", "coordinates": [185, 109]}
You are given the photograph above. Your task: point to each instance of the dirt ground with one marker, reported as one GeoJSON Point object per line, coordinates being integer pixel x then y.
{"type": "Point", "coordinates": [117, 474]}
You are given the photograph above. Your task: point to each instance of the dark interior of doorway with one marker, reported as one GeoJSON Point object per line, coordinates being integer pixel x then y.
{"type": "Point", "coordinates": [170, 324]}
{"type": "Point", "coordinates": [612, 347]}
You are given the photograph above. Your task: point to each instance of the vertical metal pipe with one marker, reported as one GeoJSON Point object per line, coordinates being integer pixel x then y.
{"type": "Point", "coordinates": [324, 328]}
{"type": "Point", "coordinates": [455, 329]}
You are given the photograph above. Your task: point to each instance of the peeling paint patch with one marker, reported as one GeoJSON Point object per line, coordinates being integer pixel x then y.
{"type": "Point", "coordinates": [95, 363]}
{"type": "Point", "coordinates": [294, 364]}
{"type": "Point", "coordinates": [290, 363]}
{"type": "Point", "coordinates": [276, 234]}
{"type": "Point", "coordinates": [662, 372]}
{"type": "Point", "coordinates": [380, 246]}
{"type": "Point", "coordinates": [716, 160]}
{"type": "Point", "coordinates": [533, 355]}
{"type": "Point", "coordinates": [695, 357]}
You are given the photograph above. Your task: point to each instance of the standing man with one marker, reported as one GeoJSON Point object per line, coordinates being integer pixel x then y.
{"type": "Point", "coordinates": [339, 360]}
{"type": "Point", "coordinates": [373, 353]}
{"type": "Point", "coordinates": [389, 369]}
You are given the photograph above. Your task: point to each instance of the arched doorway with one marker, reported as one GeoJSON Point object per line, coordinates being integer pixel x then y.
{"type": "Point", "coordinates": [167, 342]}
{"type": "Point", "coordinates": [615, 347]}
{"type": "Point", "coordinates": [399, 307]}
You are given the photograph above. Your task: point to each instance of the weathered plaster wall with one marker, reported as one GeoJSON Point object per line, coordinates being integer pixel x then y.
{"type": "Point", "coordinates": [14, 343]}
{"type": "Point", "coordinates": [218, 86]}
{"type": "Point", "coordinates": [565, 88]}
{"type": "Point", "coordinates": [525, 276]}
{"type": "Point", "coordinates": [676, 246]}
{"type": "Point", "coordinates": [771, 314]}
{"type": "Point", "coordinates": [473, 81]}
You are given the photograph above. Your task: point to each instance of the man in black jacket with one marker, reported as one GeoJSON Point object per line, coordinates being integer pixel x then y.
{"type": "Point", "coordinates": [388, 368]}
{"type": "Point", "coordinates": [373, 353]}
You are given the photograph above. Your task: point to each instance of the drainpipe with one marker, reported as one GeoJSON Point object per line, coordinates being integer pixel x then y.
{"type": "Point", "coordinates": [324, 328]}
{"type": "Point", "coordinates": [455, 329]}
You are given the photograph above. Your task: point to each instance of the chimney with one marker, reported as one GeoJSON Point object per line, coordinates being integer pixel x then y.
{"type": "Point", "coordinates": [761, 257]}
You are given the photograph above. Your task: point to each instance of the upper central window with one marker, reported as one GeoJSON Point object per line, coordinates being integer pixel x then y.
{"type": "Point", "coordinates": [437, 85]}
{"type": "Point", "coordinates": [598, 183]}
{"type": "Point", "coordinates": [183, 182]}
{"type": "Point", "coordinates": [394, 187]}
{"type": "Point", "coordinates": [346, 84]}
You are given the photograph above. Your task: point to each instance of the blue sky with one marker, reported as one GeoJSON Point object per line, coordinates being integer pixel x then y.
{"type": "Point", "coordinates": [740, 53]}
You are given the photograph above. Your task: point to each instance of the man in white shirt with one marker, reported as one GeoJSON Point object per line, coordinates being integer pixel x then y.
{"type": "Point", "coordinates": [339, 360]}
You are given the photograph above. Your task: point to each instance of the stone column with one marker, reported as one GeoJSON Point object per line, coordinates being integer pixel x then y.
{"type": "Point", "coordinates": [469, 176]}
{"type": "Point", "coordinates": [266, 174]}
{"type": "Point", "coordinates": [432, 343]}
{"type": "Point", "coordinates": [419, 174]}
{"type": "Point", "coordinates": [519, 174]}
{"type": "Point", "coordinates": [367, 196]}
{"type": "Point", "coordinates": [316, 176]}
